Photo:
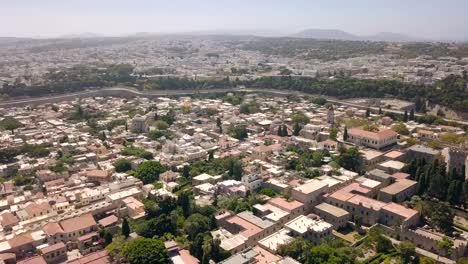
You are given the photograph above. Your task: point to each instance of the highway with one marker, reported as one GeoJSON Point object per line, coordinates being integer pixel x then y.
{"type": "Point", "coordinates": [116, 91]}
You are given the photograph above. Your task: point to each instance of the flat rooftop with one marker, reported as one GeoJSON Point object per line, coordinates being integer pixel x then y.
{"type": "Point", "coordinates": [399, 186]}
{"type": "Point", "coordinates": [285, 204]}
{"type": "Point", "coordinates": [249, 229]}
{"type": "Point", "coordinates": [394, 164]}
{"type": "Point", "coordinates": [331, 209]}
{"type": "Point", "coordinates": [249, 216]}
{"type": "Point", "coordinates": [311, 186]}
{"type": "Point", "coordinates": [302, 224]}
{"type": "Point", "coordinates": [273, 241]}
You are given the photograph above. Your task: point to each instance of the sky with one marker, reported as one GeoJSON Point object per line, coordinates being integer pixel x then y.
{"type": "Point", "coordinates": [429, 19]}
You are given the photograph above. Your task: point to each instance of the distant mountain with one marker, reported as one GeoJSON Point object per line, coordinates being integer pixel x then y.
{"type": "Point", "coordinates": [343, 35]}
{"type": "Point", "coordinates": [326, 34]}
{"type": "Point", "coordinates": [391, 37]}
{"type": "Point", "coordinates": [81, 36]}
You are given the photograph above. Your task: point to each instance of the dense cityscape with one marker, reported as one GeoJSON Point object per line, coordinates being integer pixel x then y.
{"type": "Point", "coordinates": [318, 147]}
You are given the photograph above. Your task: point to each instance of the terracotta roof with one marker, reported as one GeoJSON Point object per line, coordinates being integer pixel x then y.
{"type": "Point", "coordinates": [7, 256]}
{"type": "Point", "coordinates": [9, 219]}
{"type": "Point", "coordinates": [99, 257]}
{"type": "Point", "coordinates": [187, 258]}
{"type": "Point", "coordinates": [400, 175]}
{"type": "Point", "coordinates": [53, 248]}
{"type": "Point", "coordinates": [248, 229]}
{"type": "Point", "coordinates": [97, 174]}
{"type": "Point", "coordinates": [285, 204]}
{"type": "Point", "coordinates": [329, 142]}
{"type": "Point", "coordinates": [400, 210]}
{"type": "Point", "coordinates": [87, 236]}
{"type": "Point", "coordinates": [52, 228]}
{"type": "Point", "coordinates": [35, 209]}
{"type": "Point", "coordinates": [107, 221]}
{"type": "Point", "coordinates": [383, 134]}
{"type": "Point", "coordinates": [20, 240]}
{"type": "Point", "coordinates": [33, 260]}
{"type": "Point", "coordinates": [77, 223]}
{"type": "Point", "coordinates": [366, 202]}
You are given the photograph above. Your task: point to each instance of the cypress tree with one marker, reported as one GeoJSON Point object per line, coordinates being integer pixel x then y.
{"type": "Point", "coordinates": [411, 115]}
{"type": "Point", "coordinates": [125, 228]}
{"type": "Point", "coordinates": [345, 134]}
{"type": "Point", "coordinates": [297, 129]}
{"type": "Point", "coordinates": [280, 131]}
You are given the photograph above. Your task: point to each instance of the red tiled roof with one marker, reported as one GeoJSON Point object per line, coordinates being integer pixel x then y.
{"type": "Point", "coordinates": [107, 221]}
{"type": "Point", "coordinates": [52, 228]}
{"type": "Point", "coordinates": [97, 174]}
{"type": "Point", "coordinates": [400, 210]}
{"type": "Point", "coordinates": [20, 240]}
{"type": "Point", "coordinates": [249, 229]}
{"type": "Point", "coordinates": [33, 260]}
{"type": "Point", "coordinates": [53, 248]}
{"type": "Point", "coordinates": [78, 223]}
{"type": "Point", "coordinates": [383, 134]}
{"type": "Point", "coordinates": [285, 204]}
{"type": "Point", "coordinates": [9, 219]}
{"type": "Point", "coordinates": [99, 257]}
{"type": "Point", "coordinates": [400, 175]}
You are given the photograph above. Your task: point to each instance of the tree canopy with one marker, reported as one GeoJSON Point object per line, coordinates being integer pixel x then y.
{"type": "Point", "coordinates": [149, 171]}
{"type": "Point", "coordinates": [145, 251]}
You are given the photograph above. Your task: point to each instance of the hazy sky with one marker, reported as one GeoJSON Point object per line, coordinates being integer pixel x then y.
{"type": "Point", "coordinates": [443, 19]}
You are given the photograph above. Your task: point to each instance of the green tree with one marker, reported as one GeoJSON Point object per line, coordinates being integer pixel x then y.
{"type": "Point", "coordinates": [196, 224]}
{"type": "Point", "coordinates": [186, 172]}
{"type": "Point", "coordinates": [122, 165]}
{"type": "Point", "coordinates": [300, 118]}
{"type": "Point", "coordinates": [184, 201]}
{"type": "Point", "coordinates": [280, 131]}
{"type": "Point", "coordinates": [298, 249]}
{"type": "Point", "coordinates": [145, 251]}
{"type": "Point", "coordinates": [333, 133]}
{"type": "Point", "coordinates": [149, 171]}
{"type": "Point", "coordinates": [235, 170]}
{"type": "Point", "coordinates": [407, 251]}
{"type": "Point", "coordinates": [238, 132]}
{"type": "Point", "coordinates": [426, 260]}
{"type": "Point", "coordinates": [285, 131]}
{"type": "Point", "coordinates": [401, 128]}
{"type": "Point", "coordinates": [268, 192]}
{"type": "Point", "coordinates": [345, 134]}
{"type": "Point", "coordinates": [297, 129]}
{"type": "Point", "coordinates": [383, 244]}
{"type": "Point", "coordinates": [411, 115]}
{"type": "Point", "coordinates": [350, 159]}
{"type": "Point", "coordinates": [405, 116]}
{"type": "Point", "coordinates": [10, 123]}
{"type": "Point", "coordinates": [219, 124]}
{"type": "Point", "coordinates": [161, 124]}
{"type": "Point", "coordinates": [125, 228]}
{"type": "Point", "coordinates": [319, 101]}
{"type": "Point", "coordinates": [207, 248]}
{"type": "Point", "coordinates": [446, 245]}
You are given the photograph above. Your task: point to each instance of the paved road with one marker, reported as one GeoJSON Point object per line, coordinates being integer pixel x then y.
{"type": "Point", "coordinates": [116, 90]}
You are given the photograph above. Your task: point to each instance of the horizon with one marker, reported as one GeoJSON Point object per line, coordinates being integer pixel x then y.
{"type": "Point", "coordinates": [52, 18]}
